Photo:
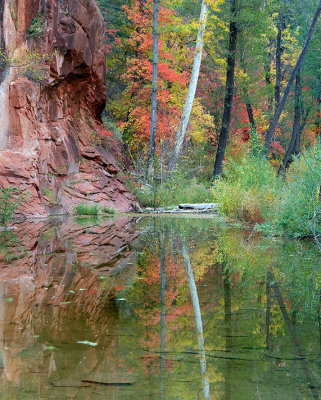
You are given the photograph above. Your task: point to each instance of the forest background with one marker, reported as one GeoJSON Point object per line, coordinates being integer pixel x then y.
{"type": "Point", "coordinates": [248, 51]}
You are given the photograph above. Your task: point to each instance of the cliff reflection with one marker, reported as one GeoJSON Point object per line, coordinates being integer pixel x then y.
{"type": "Point", "coordinates": [57, 293]}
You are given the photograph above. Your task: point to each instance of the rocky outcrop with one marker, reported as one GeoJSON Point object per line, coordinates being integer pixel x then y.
{"type": "Point", "coordinates": [52, 93]}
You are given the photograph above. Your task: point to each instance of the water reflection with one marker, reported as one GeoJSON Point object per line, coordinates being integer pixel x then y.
{"type": "Point", "coordinates": [296, 343]}
{"type": "Point", "coordinates": [133, 293]}
{"type": "Point", "coordinates": [163, 308]}
{"type": "Point", "coordinates": [198, 318]}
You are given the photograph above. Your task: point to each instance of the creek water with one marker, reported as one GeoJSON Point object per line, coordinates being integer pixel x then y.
{"type": "Point", "coordinates": [157, 308]}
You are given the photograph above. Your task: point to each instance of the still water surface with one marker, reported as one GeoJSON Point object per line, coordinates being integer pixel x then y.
{"type": "Point", "coordinates": [157, 308]}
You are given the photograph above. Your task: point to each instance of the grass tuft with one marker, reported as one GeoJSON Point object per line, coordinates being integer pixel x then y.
{"type": "Point", "coordinates": [86, 209]}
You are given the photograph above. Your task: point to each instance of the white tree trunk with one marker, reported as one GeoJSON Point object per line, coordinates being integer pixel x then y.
{"type": "Point", "coordinates": [180, 134]}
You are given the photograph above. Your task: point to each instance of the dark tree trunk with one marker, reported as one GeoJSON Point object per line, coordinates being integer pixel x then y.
{"type": "Point", "coordinates": [278, 61]}
{"type": "Point", "coordinates": [295, 138]}
{"type": "Point", "coordinates": [268, 82]}
{"type": "Point", "coordinates": [229, 91]}
{"type": "Point", "coordinates": [151, 155]}
{"type": "Point", "coordinates": [248, 100]}
{"type": "Point", "coordinates": [278, 112]}
{"type": "Point", "coordinates": [250, 114]}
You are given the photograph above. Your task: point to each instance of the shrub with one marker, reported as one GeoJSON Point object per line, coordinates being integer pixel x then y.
{"type": "Point", "coordinates": [10, 200]}
{"type": "Point", "coordinates": [37, 27]}
{"type": "Point", "coordinates": [297, 209]}
{"type": "Point", "coordinates": [106, 210]}
{"type": "Point", "coordinates": [248, 190]}
{"type": "Point", "coordinates": [10, 246]}
{"type": "Point", "coordinates": [86, 209]}
{"type": "Point", "coordinates": [251, 192]}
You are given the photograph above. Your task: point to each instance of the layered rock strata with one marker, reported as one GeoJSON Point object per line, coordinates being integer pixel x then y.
{"type": "Point", "coordinates": [52, 93]}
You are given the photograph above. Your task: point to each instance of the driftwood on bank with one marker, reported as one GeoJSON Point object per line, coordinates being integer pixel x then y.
{"type": "Point", "coordinates": [198, 208]}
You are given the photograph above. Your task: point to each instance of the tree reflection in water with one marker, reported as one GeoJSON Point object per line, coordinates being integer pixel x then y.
{"type": "Point", "coordinates": [198, 317]}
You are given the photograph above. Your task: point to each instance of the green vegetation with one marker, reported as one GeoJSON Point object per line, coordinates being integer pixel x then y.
{"type": "Point", "coordinates": [297, 209]}
{"type": "Point", "coordinates": [108, 211]}
{"type": "Point", "coordinates": [86, 209]}
{"type": "Point", "coordinates": [29, 64]}
{"type": "Point", "coordinates": [37, 27]}
{"type": "Point", "coordinates": [10, 200]}
{"type": "Point", "coordinates": [11, 246]}
{"type": "Point", "coordinates": [92, 210]}
{"type": "Point", "coordinates": [251, 192]}
{"type": "Point", "coordinates": [248, 189]}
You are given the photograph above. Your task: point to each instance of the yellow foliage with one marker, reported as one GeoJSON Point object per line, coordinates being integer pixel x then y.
{"type": "Point", "coordinates": [200, 123]}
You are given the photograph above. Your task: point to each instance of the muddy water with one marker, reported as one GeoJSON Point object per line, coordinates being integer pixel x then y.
{"type": "Point", "coordinates": [152, 308]}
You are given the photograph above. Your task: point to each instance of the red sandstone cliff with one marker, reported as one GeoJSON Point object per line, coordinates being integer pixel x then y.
{"type": "Point", "coordinates": [49, 130]}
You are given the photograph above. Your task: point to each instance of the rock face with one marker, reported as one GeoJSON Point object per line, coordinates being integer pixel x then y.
{"type": "Point", "coordinates": [52, 93]}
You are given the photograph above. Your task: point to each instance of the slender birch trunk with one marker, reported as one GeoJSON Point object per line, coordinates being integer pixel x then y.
{"type": "Point", "coordinates": [180, 134]}
{"type": "Point", "coordinates": [270, 133]}
{"type": "Point", "coordinates": [151, 155]}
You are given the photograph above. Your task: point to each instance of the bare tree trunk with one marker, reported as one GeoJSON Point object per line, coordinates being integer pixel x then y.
{"type": "Point", "coordinates": [180, 134]}
{"type": "Point", "coordinates": [151, 155]}
{"type": "Point", "coordinates": [304, 119]}
{"type": "Point", "coordinates": [248, 100]}
{"type": "Point", "coordinates": [229, 91]}
{"type": "Point", "coordinates": [268, 81]}
{"type": "Point", "coordinates": [296, 126]}
{"type": "Point", "coordinates": [278, 61]}
{"type": "Point", "coordinates": [250, 113]}
{"type": "Point", "coordinates": [269, 135]}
